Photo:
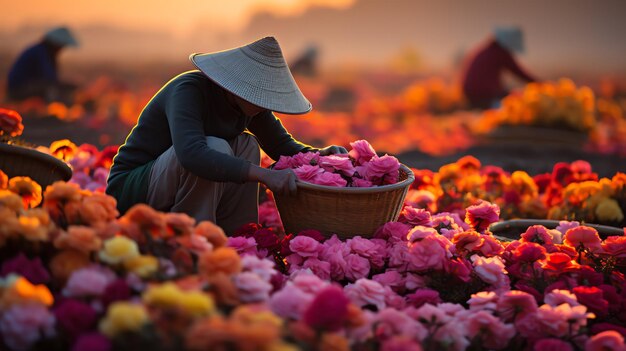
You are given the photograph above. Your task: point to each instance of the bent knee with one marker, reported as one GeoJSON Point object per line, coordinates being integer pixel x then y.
{"type": "Point", "coordinates": [219, 145]}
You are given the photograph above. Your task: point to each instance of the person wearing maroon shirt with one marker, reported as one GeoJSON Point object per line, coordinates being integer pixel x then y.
{"type": "Point", "coordinates": [482, 79]}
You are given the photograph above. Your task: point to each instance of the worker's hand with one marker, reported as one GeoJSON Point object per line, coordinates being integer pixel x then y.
{"type": "Point", "coordinates": [332, 150]}
{"type": "Point", "coordinates": [282, 182]}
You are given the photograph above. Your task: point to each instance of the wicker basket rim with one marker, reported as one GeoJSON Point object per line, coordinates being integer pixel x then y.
{"type": "Point", "coordinates": [551, 224]}
{"type": "Point", "coordinates": [25, 151]}
{"type": "Point", "coordinates": [383, 188]}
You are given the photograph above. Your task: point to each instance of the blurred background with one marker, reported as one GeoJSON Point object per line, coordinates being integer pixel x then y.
{"type": "Point", "coordinates": [389, 71]}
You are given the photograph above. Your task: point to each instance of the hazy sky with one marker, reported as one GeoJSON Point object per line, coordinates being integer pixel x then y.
{"type": "Point", "coordinates": [562, 36]}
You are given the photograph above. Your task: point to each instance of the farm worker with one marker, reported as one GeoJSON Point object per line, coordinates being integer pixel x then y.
{"type": "Point", "coordinates": [482, 79]}
{"type": "Point", "coordinates": [34, 73]}
{"type": "Point", "coordinates": [196, 145]}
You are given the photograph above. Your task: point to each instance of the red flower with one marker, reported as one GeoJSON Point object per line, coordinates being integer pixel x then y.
{"type": "Point", "coordinates": [559, 262]}
{"type": "Point", "coordinates": [10, 123]}
{"type": "Point", "coordinates": [266, 239]}
{"type": "Point", "coordinates": [480, 216]}
{"type": "Point", "coordinates": [33, 270]}
{"type": "Point", "coordinates": [75, 317]}
{"type": "Point", "coordinates": [530, 252]}
{"type": "Point", "coordinates": [562, 173]}
{"type": "Point", "coordinates": [593, 298]}
{"type": "Point", "coordinates": [105, 158]}
{"type": "Point", "coordinates": [615, 246]}
{"type": "Point", "coordinates": [542, 181]}
{"type": "Point", "coordinates": [328, 310]}
{"type": "Point", "coordinates": [247, 230]}
{"type": "Point", "coordinates": [312, 233]}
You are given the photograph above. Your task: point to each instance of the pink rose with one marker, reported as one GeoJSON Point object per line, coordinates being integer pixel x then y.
{"type": "Point", "coordinates": [369, 249]}
{"type": "Point", "coordinates": [415, 216]}
{"type": "Point", "coordinates": [33, 270]}
{"type": "Point", "coordinates": [308, 173]}
{"type": "Point", "coordinates": [305, 158]}
{"type": "Point", "coordinates": [426, 254]}
{"type": "Point", "coordinates": [330, 179]}
{"type": "Point", "coordinates": [558, 297]}
{"type": "Point", "coordinates": [290, 302]}
{"type": "Point", "coordinates": [482, 215]}
{"type": "Point", "coordinates": [424, 296]}
{"type": "Point", "coordinates": [390, 322]}
{"type": "Point", "coordinates": [615, 246]}
{"type": "Point", "coordinates": [414, 281]}
{"type": "Point", "coordinates": [432, 314]}
{"type": "Point", "coordinates": [243, 245]}
{"type": "Point", "coordinates": [366, 292]}
{"type": "Point", "coordinates": [22, 325]}
{"type": "Point", "coordinates": [490, 246]}
{"type": "Point", "coordinates": [328, 310]}
{"type": "Point", "coordinates": [483, 300]}
{"type": "Point", "coordinates": [268, 215]}
{"type": "Point", "coordinates": [319, 268]}
{"type": "Point", "coordinates": [356, 267]}
{"type": "Point", "coordinates": [583, 236]}
{"type": "Point", "coordinates": [361, 152]}
{"type": "Point", "coordinates": [283, 162]}
{"type": "Point", "coordinates": [337, 164]}
{"type": "Point", "coordinates": [606, 341]}
{"type": "Point", "coordinates": [305, 246]}
{"type": "Point", "coordinates": [380, 170]}
{"type": "Point", "coordinates": [264, 268]}
{"type": "Point", "coordinates": [400, 343]}
{"type": "Point", "coordinates": [251, 288]}
{"type": "Point", "coordinates": [459, 268]}
{"type": "Point", "coordinates": [399, 256]}
{"type": "Point", "coordinates": [308, 282]}
{"type": "Point", "coordinates": [88, 281]}
{"type": "Point", "coordinates": [395, 230]}
{"type": "Point", "coordinates": [392, 279]}
{"type": "Point", "coordinates": [74, 317]}
{"type": "Point", "coordinates": [490, 270]}
{"type": "Point", "coordinates": [334, 254]}
{"type": "Point", "coordinates": [493, 333]}
{"type": "Point", "coordinates": [552, 344]}
{"type": "Point", "coordinates": [537, 234]}
{"type": "Point", "coordinates": [361, 183]}
{"type": "Point", "coordinates": [419, 233]}
{"type": "Point", "coordinates": [516, 304]}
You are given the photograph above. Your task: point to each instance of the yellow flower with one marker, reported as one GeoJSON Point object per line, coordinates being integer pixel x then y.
{"type": "Point", "coordinates": [123, 317]}
{"type": "Point", "coordinates": [197, 303]}
{"type": "Point", "coordinates": [164, 295]}
{"type": "Point", "coordinates": [118, 249]}
{"type": "Point", "coordinates": [143, 266]}
{"type": "Point", "coordinates": [608, 210]}
{"type": "Point", "coordinates": [169, 295]}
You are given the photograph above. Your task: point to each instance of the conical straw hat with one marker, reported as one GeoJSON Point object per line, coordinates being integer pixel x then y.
{"type": "Point", "coordinates": [61, 36]}
{"type": "Point", "coordinates": [257, 73]}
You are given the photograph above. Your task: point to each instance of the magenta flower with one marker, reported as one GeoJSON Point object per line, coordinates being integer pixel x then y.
{"type": "Point", "coordinates": [392, 279]}
{"type": "Point", "coordinates": [283, 162]}
{"type": "Point", "coordinates": [415, 216]}
{"type": "Point", "coordinates": [305, 246]}
{"type": "Point", "coordinates": [243, 245]}
{"type": "Point", "coordinates": [290, 302]}
{"type": "Point", "coordinates": [494, 334]}
{"type": "Point", "coordinates": [266, 239]}
{"type": "Point", "coordinates": [88, 281]}
{"type": "Point", "coordinates": [395, 230]}
{"type": "Point", "coordinates": [264, 268]}
{"type": "Point", "coordinates": [482, 215]}
{"type": "Point", "coordinates": [92, 342]}
{"type": "Point", "coordinates": [118, 290]}
{"type": "Point", "coordinates": [356, 267]}
{"type": "Point", "coordinates": [33, 270]}
{"type": "Point", "coordinates": [380, 170]}
{"type": "Point", "coordinates": [609, 340]}
{"type": "Point", "coordinates": [423, 296]}
{"type": "Point", "coordinates": [22, 326]}
{"type": "Point", "coordinates": [330, 179]}
{"type": "Point", "coordinates": [308, 282]}
{"type": "Point", "coordinates": [337, 164]}
{"type": "Point", "coordinates": [558, 297]}
{"type": "Point", "coordinates": [319, 268]}
{"type": "Point", "coordinates": [366, 292]}
{"type": "Point", "coordinates": [516, 304]}
{"type": "Point", "coordinates": [305, 158]}
{"type": "Point", "coordinates": [420, 233]}
{"type": "Point", "coordinates": [75, 317]}
{"type": "Point", "coordinates": [426, 254]}
{"type": "Point", "coordinates": [251, 287]}
{"type": "Point", "coordinates": [361, 183]}
{"type": "Point", "coordinates": [400, 343]}
{"type": "Point", "coordinates": [491, 270]}
{"type": "Point", "coordinates": [328, 311]}
{"type": "Point", "coordinates": [391, 322]}
{"type": "Point", "coordinates": [593, 298]}
{"type": "Point", "coordinates": [369, 249]}
{"type": "Point", "coordinates": [537, 234]}
{"type": "Point", "coordinates": [483, 300]}
{"type": "Point", "coordinates": [552, 344]}
{"type": "Point", "coordinates": [308, 173]}
{"type": "Point", "coordinates": [312, 233]}
{"type": "Point", "coordinates": [361, 152]}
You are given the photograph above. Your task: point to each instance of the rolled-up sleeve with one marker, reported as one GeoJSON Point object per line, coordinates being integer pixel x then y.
{"type": "Point", "coordinates": [184, 110]}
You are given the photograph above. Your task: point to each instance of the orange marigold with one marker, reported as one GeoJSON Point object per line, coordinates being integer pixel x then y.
{"type": "Point", "coordinates": [4, 180]}
{"type": "Point", "coordinates": [65, 262]}
{"type": "Point", "coordinates": [63, 149]}
{"type": "Point", "coordinates": [28, 189]}
{"type": "Point", "coordinates": [81, 238]}
{"type": "Point", "coordinates": [178, 223]}
{"type": "Point", "coordinates": [223, 259]}
{"type": "Point", "coordinates": [212, 232]}
{"type": "Point", "coordinates": [141, 220]}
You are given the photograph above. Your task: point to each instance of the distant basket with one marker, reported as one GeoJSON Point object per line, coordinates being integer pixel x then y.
{"type": "Point", "coordinates": [40, 167]}
{"type": "Point", "coordinates": [343, 211]}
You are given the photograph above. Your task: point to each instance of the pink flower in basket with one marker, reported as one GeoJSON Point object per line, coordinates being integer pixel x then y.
{"type": "Point", "coordinates": [337, 164]}
{"type": "Point", "coordinates": [330, 179]}
{"type": "Point", "coordinates": [380, 170]}
{"type": "Point", "coordinates": [305, 246]}
{"type": "Point", "coordinates": [361, 183]}
{"type": "Point", "coordinates": [361, 152]}
{"type": "Point", "coordinates": [308, 173]}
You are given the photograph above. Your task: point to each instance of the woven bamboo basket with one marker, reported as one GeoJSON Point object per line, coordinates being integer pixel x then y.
{"type": "Point", "coordinates": [40, 167]}
{"type": "Point", "coordinates": [343, 211]}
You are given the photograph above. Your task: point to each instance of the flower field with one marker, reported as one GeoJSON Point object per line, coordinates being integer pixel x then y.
{"type": "Point", "coordinates": [77, 275]}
